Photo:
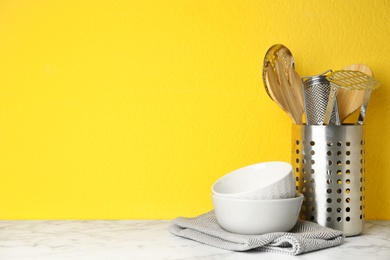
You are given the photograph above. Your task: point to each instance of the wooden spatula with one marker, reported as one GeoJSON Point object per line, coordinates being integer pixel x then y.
{"type": "Point", "coordinates": [283, 93]}
{"type": "Point", "coordinates": [349, 101]}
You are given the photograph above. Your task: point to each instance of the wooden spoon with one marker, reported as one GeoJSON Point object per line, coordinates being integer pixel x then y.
{"type": "Point", "coordinates": [349, 101]}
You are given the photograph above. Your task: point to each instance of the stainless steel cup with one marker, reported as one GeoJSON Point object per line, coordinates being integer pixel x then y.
{"type": "Point", "coordinates": [329, 171]}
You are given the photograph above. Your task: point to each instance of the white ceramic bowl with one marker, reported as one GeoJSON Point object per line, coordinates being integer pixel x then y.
{"type": "Point", "coordinates": [267, 180]}
{"type": "Point", "coordinates": [255, 217]}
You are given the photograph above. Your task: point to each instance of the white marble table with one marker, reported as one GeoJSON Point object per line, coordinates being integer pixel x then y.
{"type": "Point", "coordinates": [145, 239]}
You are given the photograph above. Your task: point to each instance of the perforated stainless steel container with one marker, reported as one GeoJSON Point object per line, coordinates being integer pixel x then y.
{"type": "Point", "coordinates": [329, 171]}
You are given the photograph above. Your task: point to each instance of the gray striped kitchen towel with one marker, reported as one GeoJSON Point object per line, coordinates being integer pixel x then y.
{"type": "Point", "coordinates": [304, 237]}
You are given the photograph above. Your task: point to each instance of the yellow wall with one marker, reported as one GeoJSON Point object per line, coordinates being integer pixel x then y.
{"type": "Point", "coordinates": [132, 109]}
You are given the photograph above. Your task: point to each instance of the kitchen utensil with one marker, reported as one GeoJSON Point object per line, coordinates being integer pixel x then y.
{"type": "Point", "coordinates": [363, 108]}
{"type": "Point", "coordinates": [352, 80]}
{"type": "Point", "coordinates": [349, 101]}
{"type": "Point", "coordinates": [267, 180]}
{"type": "Point", "coordinates": [284, 94]}
{"type": "Point", "coordinates": [274, 90]}
{"type": "Point", "coordinates": [296, 84]}
{"type": "Point", "coordinates": [277, 52]}
{"type": "Point", "coordinates": [255, 217]}
{"type": "Point", "coordinates": [330, 108]}
{"type": "Point", "coordinates": [316, 93]}
{"type": "Point", "coordinates": [280, 81]}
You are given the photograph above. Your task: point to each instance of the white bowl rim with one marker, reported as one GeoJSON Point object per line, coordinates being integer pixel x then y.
{"type": "Point", "coordinates": [230, 195]}
{"type": "Point", "coordinates": [296, 197]}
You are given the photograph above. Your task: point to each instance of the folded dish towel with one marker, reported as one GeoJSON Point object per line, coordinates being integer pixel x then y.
{"type": "Point", "coordinates": [304, 237]}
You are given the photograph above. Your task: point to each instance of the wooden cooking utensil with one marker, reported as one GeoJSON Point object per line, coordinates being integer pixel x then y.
{"type": "Point", "coordinates": [285, 95]}
{"type": "Point", "coordinates": [349, 101]}
{"type": "Point", "coordinates": [277, 52]}
{"type": "Point", "coordinates": [282, 83]}
{"type": "Point", "coordinates": [296, 85]}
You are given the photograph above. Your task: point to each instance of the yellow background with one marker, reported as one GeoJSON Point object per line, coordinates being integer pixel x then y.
{"type": "Point", "coordinates": [132, 109]}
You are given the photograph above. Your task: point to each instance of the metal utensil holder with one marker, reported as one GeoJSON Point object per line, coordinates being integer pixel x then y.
{"type": "Point", "coordinates": [329, 171]}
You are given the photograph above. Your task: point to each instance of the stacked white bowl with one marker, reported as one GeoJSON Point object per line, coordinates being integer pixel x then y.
{"type": "Point", "coordinates": [257, 199]}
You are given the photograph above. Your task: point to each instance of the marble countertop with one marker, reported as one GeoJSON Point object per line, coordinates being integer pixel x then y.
{"type": "Point", "coordinates": [151, 239]}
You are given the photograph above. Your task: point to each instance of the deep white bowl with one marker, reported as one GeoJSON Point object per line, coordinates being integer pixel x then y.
{"type": "Point", "coordinates": [254, 217]}
{"type": "Point", "coordinates": [267, 180]}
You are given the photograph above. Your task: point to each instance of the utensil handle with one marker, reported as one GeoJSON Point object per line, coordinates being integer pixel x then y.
{"type": "Point", "coordinates": [330, 105]}
{"type": "Point", "coordinates": [363, 108]}
{"type": "Point", "coordinates": [304, 103]}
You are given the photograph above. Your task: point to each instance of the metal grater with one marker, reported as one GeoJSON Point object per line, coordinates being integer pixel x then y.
{"type": "Point", "coordinates": [316, 92]}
